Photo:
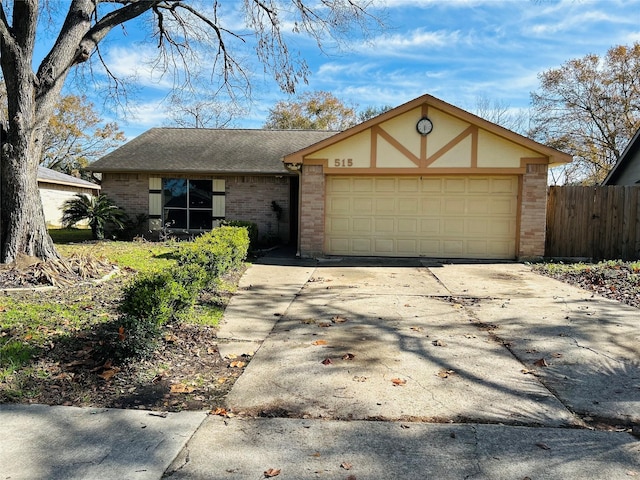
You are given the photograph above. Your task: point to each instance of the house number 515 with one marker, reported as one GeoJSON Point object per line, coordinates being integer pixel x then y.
{"type": "Point", "coordinates": [343, 162]}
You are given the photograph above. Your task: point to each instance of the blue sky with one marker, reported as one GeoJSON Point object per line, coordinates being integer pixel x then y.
{"type": "Point", "coordinates": [456, 50]}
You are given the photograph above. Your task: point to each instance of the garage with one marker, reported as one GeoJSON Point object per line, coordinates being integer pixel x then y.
{"type": "Point", "coordinates": [460, 217]}
{"type": "Point", "coordinates": [425, 179]}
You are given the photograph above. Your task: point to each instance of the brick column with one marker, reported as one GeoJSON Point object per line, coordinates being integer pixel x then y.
{"type": "Point", "coordinates": [533, 212]}
{"type": "Point", "coordinates": [311, 211]}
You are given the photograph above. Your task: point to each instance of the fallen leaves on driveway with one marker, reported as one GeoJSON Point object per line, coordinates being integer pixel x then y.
{"type": "Point", "coordinates": [327, 361]}
{"type": "Point", "coordinates": [541, 363]}
{"type": "Point", "coordinates": [348, 356]}
{"type": "Point", "coordinates": [339, 319]}
{"type": "Point", "coordinates": [272, 472]}
{"type": "Point", "coordinates": [398, 381]}
{"type": "Point", "coordinates": [346, 465]}
{"type": "Point", "coordinates": [319, 342]}
{"type": "Point", "coordinates": [445, 373]}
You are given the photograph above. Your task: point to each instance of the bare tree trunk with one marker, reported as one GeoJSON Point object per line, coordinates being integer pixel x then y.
{"type": "Point", "coordinates": [23, 225]}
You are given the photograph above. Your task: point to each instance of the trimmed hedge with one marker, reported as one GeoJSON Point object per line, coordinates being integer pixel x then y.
{"type": "Point", "coordinates": [252, 230]}
{"type": "Point", "coordinates": [152, 300]}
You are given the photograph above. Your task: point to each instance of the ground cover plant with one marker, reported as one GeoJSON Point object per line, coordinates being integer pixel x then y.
{"type": "Point", "coordinates": [56, 344]}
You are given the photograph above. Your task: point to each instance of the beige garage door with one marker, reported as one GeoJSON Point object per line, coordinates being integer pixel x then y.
{"type": "Point", "coordinates": [445, 217]}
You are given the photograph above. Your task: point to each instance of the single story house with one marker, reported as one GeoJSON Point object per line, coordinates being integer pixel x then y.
{"type": "Point", "coordinates": [626, 171]}
{"type": "Point", "coordinates": [423, 179]}
{"type": "Point", "coordinates": [56, 188]}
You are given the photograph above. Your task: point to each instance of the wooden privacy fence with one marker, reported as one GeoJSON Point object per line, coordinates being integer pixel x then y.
{"type": "Point", "coordinates": [594, 222]}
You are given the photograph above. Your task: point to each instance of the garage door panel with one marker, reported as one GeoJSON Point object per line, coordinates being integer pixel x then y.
{"type": "Point", "coordinates": [449, 216]}
{"type": "Point", "coordinates": [384, 226]}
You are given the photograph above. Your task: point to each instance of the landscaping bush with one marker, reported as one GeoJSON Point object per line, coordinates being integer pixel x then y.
{"type": "Point", "coordinates": [218, 251]}
{"type": "Point", "coordinates": [154, 299]}
{"type": "Point", "coordinates": [252, 230]}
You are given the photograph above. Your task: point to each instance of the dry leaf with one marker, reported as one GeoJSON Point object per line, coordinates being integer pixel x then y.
{"type": "Point", "coordinates": [556, 355]}
{"type": "Point", "coordinates": [348, 356]}
{"type": "Point", "coordinates": [416, 329]}
{"type": "Point", "coordinates": [346, 465]}
{"type": "Point", "coordinates": [445, 373]}
{"type": "Point", "coordinates": [319, 342]}
{"type": "Point", "coordinates": [170, 338]}
{"type": "Point", "coordinates": [309, 321]}
{"type": "Point", "coordinates": [237, 364]}
{"type": "Point", "coordinates": [527, 372]}
{"type": "Point", "coordinates": [28, 336]}
{"type": "Point", "coordinates": [219, 411]}
{"type": "Point", "coordinates": [108, 374]}
{"type": "Point", "coordinates": [3, 308]}
{"type": "Point", "coordinates": [211, 351]}
{"type": "Point", "coordinates": [222, 379]}
{"type": "Point", "coordinates": [272, 472]}
{"type": "Point", "coordinates": [338, 319]}
{"type": "Point", "coordinates": [327, 361]}
{"type": "Point", "coordinates": [231, 356]}
{"type": "Point", "coordinates": [317, 454]}
{"type": "Point", "coordinates": [439, 343]}
{"type": "Point", "coordinates": [324, 324]}
{"type": "Point", "coordinates": [121, 335]}
{"type": "Point", "coordinates": [398, 381]}
{"type": "Point", "coordinates": [541, 363]}
{"type": "Point", "coordinates": [181, 388]}
{"type": "Point", "coordinates": [543, 446]}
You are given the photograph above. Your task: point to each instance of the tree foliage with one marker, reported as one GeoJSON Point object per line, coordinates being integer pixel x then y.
{"type": "Point", "coordinates": [76, 136]}
{"type": "Point", "coordinates": [318, 110]}
{"type": "Point", "coordinates": [188, 34]}
{"type": "Point", "coordinates": [590, 108]}
{"type": "Point", "coordinates": [311, 111]}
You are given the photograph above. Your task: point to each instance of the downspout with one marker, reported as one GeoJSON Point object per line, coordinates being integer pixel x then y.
{"type": "Point", "coordinates": [296, 168]}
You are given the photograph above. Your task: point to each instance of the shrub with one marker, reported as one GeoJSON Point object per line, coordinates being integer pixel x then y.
{"type": "Point", "coordinates": [154, 299]}
{"type": "Point", "coordinates": [217, 251]}
{"type": "Point", "coordinates": [252, 230]}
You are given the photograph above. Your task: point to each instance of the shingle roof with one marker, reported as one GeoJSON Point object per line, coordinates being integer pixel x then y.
{"type": "Point", "coordinates": [191, 150]}
{"type": "Point", "coordinates": [47, 175]}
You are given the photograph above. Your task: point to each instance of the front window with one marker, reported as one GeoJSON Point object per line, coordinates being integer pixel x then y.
{"type": "Point", "coordinates": [187, 204]}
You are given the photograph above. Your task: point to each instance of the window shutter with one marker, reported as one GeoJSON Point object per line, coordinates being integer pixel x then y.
{"type": "Point", "coordinates": [218, 201]}
{"type": "Point", "coordinates": [155, 203]}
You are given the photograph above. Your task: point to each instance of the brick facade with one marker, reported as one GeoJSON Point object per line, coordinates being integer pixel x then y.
{"type": "Point", "coordinates": [249, 198]}
{"type": "Point", "coordinates": [312, 207]}
{"type": "Point", "coordinates": [533, 212]}
{"type": "Point", "coordinates": [246, 198]}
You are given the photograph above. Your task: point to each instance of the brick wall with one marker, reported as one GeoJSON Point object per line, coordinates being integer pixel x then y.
{"type": "Point", "coordinates": [533, 212]}
{"type": "Point", "coordinates": [246, 198]}
{"type": "Point", "coordinates": [130, 191]}
{"type": "Point", "coordinates": [249, 198]}
{"type": "Point", "coordinates": [312, 208]}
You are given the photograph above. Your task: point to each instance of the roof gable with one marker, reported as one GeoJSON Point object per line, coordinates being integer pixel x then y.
{"type": "Point", "coordinates": [459, 140]}
{"type": "Point", "coordinates": [211, 151]}
{"type": "Point", "coordinates": [626, 171]}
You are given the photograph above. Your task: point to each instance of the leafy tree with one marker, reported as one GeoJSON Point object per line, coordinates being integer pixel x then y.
{"type": "Point", "coordinates": [590, 108]}
{"type": "Point", "coordinates": [98, 210]}
{"type": "Point", "coordinates": [311, 111]}
{"type": "Point", "coordinates": [371, 112]}
{"type": "Point", "coordinates": [184, 32]}
{"type": "Point", "coordinates": [76, 136]}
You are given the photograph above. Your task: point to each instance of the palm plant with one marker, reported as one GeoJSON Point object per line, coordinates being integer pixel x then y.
{"type": "Point", "coordinates": [98, 210]}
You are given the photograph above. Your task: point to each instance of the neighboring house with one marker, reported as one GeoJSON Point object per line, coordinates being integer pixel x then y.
{"type": "Point", "coordinates": [189, 179]}
{"type": "Point", "coordinates": [424, 179]}
{"type": "Point", "coordinates": [56, 188]}
{"type": "Point", "coordinates": [626, 171]}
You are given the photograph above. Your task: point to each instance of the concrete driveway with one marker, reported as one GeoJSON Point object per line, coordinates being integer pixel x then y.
{"type": "Point", "coordinates": [417, 341]}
